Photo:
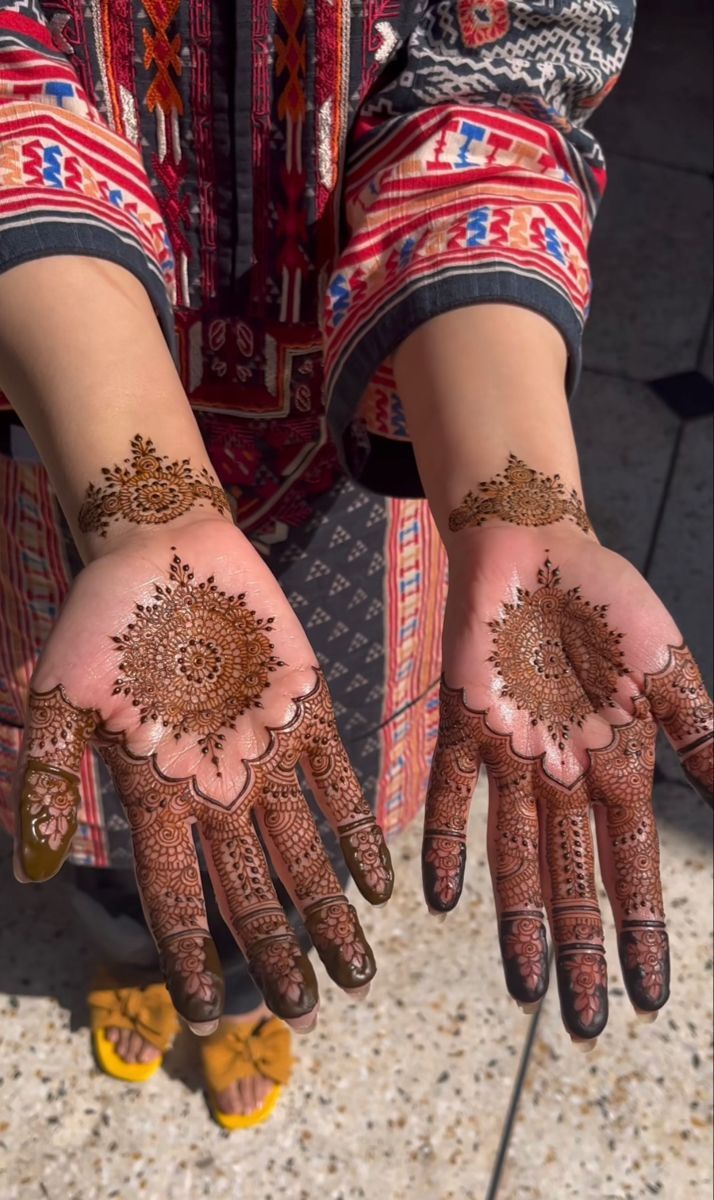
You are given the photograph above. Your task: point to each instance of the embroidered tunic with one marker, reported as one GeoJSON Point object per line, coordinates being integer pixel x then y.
{"type": "Point", "coordinates": [299, 184]}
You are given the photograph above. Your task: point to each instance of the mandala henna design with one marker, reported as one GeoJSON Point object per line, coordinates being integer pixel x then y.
{"type": "Point", "coordinates": [148, 489]}
{"type": "Point", "coordinates": [196, 659]}
{"type": "Point", "coordinates": [520, 496]}
{"type": "Point", "coordinates": [556, 656]}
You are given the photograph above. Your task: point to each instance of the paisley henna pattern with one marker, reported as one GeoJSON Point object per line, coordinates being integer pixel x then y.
{"type": "Point", "coordinates": [520, 496]}
{"type": "Point", "coordinates": [556, 656]}
{"type": "Point", "coordinates": [148, 489]}
{"type": "Point", "coordinates": [196, 659]}
{"type": "Point", "coordinates": [161, 813]}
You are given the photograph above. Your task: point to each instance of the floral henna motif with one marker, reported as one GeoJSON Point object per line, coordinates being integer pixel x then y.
{"type": "Point", "coordinates": [556, 656]}
{"type": "Point", "coordinates": [524, 947]}
{"type": "Point", "coordinates": [191, 963]}
{"type": "Point", "coordinates": [443, 869]}
{"type": "Point", "coordinates": [196, 659]}
{"type": "Point", "coordinates": [337, 935]}
{"type": "Point", "coordinates": [148, 489]}
{"type": "Point", "coordinates": [57, 735]}
{"type": "Point", "coordinates": [48, 815]}
{"type": "Point", "coordinates": [644, 954]}
{"type": "Point", "coordinates": [520, 496]}
{"type": "Point", "coordinates": [366, 854]}
{"type": "Point", "coordinates": [581, 967]}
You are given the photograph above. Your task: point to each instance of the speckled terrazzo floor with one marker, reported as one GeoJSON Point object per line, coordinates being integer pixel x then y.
{"type": "Point", "coordinates": [404, 1097]}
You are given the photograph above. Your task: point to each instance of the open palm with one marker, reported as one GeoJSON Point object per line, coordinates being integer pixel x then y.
{"type": "Point", "coordinates": [559, 665]}
{"type": "Point", "coordinates": [178, 656]}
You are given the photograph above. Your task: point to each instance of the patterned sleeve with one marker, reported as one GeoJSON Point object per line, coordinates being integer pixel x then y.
{"type": "Point", "coordinates": [68, 183]}
{"type": "Point", "coordinates": [470, 177]}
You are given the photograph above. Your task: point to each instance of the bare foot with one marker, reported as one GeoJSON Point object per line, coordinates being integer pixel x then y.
{"type": "Point", "coordinates": [246, 1095]}
{"type": "Point", "coordinates": [130, 1046]}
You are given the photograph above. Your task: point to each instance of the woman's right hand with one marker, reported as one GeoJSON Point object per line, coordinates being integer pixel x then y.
{"type": "Point", "coordinates": [177, 655]}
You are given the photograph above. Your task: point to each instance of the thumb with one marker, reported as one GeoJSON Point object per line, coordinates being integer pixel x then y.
{"type": "Point", "coordinates": [56, 736]}
{"type": "Point", "coordinates": [681, 704]}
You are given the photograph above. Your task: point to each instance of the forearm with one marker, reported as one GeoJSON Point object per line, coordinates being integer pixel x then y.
{"type": "Point", "coordinates": [86, 367]}
{"type": "Point", "coordinates": [479, 385]}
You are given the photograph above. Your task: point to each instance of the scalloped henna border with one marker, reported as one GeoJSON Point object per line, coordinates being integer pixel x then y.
{"type": "Point", "coordinates": [113, 737]}
{"type": "Point", "coordinates": [539, 759]}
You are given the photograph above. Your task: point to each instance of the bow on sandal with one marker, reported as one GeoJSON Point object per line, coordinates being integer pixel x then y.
{"type": "Point", "coordinates": [244, 1052]}
{"type": "Point", "coordinates": [146, 1011]}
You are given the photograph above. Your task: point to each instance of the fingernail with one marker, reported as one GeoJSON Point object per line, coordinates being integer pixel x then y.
{"type": "Point", "coordinates": [204, 1029]}
{"type": "Point", "coordinates": [647, 1018]}
{"type": "Point", "coordinates": [304, 1024]}
{"type": "Point", "coordinates": [529, 1009]}
{"type": "Point", "coordinates": [359, 993]}
{"type": "Point", "coordinates": [585, 1047]}
{"type": "Point", "coordinates": [438, 916]}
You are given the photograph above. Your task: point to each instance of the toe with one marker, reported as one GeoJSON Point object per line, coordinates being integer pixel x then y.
{"type": "Point", "coordinates": [247, 1096]}
{"type": "Point", "coordinates": [112, 1034]}
{"type": "Point", "coordinates": [148, 1053]}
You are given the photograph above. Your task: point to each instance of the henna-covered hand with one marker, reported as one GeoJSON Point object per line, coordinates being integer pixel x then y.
{"type": "Point", "coordinates": [560, 663]}
{"type": "Point", "coordinates": [177, 655]}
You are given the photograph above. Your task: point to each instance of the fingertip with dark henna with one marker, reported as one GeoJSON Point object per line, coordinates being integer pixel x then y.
{"type": "Point", "coordinates": [582, 985]}
{"type": "Point", "coordinates": [194, 978]}
{"type": "Point", "coordinates": [369, 861]}
{"type": "Point", "coordinates": [644, 957]}
{"type": "Point", "coordinates": [524, 950]}
{"type": "Point", "coordinates": [341, 944]}
{"type": "Point", "coordinates": [443, 865]}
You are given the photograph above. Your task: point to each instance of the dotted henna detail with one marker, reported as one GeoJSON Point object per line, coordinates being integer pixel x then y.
{"type": "Point", "coordinates": [58, 731]}
{"type": "Point", "coordinates": [161, 813]}
{"type": "Point", "coordinates": [556, 656]}
{"type": "Point", "coordinates": [195, 659]}
{"type": "Point", "coordinates": [520, 496]}
{"type": "Point", "coordinates": [148, 489]}
{"type": "Point", "coordinates": [678, 697]}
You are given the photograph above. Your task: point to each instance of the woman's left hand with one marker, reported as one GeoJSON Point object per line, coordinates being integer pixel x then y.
{"type": "Point", "coordinates": [560, 663]}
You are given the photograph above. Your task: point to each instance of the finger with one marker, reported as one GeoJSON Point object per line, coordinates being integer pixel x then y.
{"type": "Point", "coordinates": [513, 849]}
{"type": "Point", "coordinates": [621, 791]}
{"type": "Point", "coordinates": [680, 702]}
{"type": "Point", "coordinates": [169, 881]}
{"type": "Point", "coordinates": [573, 909]}
{"type": "Point", "coordinates": [299, 857]}
{"type": "Point", "coordinates": [250, 907]}
{"type": "Point", "coordinates": [453, 777]}
{"type": "Point", "coordinates": [338, 793]}
{"type": "Point", "coordinates": [56, 735]}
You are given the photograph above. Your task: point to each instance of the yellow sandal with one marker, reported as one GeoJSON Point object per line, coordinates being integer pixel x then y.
{"type": "Point", "coordinates": [245, 1050]}
{"type": "Point", "coordinates": [147, 1011]}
